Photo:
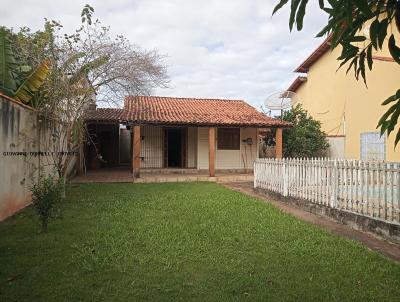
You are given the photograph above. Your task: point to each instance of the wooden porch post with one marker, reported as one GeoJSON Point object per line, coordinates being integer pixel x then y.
{"type": "Point", "coordinates": [136, 151]}
{"type": "Point", "coordinates": [211, 151]}
{"type": "Point", "coordinates": [278, 140]}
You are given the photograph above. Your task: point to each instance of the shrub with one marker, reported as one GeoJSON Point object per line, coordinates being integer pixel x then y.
{"type": "Point", "coordinates": [46, 197]}
{"type": "Point", "coordinates": [305, 139]}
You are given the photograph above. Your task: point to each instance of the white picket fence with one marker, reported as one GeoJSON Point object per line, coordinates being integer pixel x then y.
{"type": "Point", "coordinates": [366, 188]}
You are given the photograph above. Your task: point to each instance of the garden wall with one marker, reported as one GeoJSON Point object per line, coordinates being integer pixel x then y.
{"type": "Point", "coordinates": [22, 145]}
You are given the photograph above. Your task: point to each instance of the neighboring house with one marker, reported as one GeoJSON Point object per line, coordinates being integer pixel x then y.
{"type": "Point", "coordinates": [186, 133]}
{"type": "Point", "coordinates": [348, 110]}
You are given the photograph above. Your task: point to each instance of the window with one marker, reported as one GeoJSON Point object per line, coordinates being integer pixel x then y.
{"type": "Point", "coordinates": [372, 146]}
{"type": "Point", "coordinates": [228, 138]}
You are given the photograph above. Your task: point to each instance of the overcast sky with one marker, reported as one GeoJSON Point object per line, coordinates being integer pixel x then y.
{"type": "Point", "coordinates": [217, 49]}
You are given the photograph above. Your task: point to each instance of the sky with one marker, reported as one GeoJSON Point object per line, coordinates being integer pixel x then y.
{"type": "Point", "coordinates": [214, 49]}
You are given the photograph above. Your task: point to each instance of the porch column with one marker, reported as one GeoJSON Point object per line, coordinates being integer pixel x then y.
{"type": "Point", "coordinates": [211, 151]}
{"type": "Point", "coordinates": [136, 151]}
{"type": "Point", "coordinates": [278, 141]}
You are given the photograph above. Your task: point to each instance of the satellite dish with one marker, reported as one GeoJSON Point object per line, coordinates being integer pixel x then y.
{"type": "Point", "coordinates": [281, 100]}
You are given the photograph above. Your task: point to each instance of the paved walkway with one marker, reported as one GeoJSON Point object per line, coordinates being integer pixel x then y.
{"type": "Point", "coordinates": [124, 175]}
{"type": "Point", "coordinates": [388, 249]}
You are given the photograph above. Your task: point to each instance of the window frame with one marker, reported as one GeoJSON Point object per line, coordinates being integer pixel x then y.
{"type": "Point", "coordinates": [231, 146]}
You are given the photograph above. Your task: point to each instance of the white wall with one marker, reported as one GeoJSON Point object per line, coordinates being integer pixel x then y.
{"type": "Point", "coordinates": [192, 147]}
{"type": "Point", "coordinates": [248, 153]}
{"type": "Point", "coordinates": [229, 159]}
{"type": "Point", "coordinates": [336, 146]}
{"type": "Point", "coordinates": [202, 148]}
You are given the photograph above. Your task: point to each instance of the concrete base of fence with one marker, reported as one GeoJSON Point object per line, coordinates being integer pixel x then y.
{"type": "Point", "coordinates": [374, 226]}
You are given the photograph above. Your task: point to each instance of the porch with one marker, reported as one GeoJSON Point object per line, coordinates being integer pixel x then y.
{"type": "Point", "coordinates": [193, 152]}
{"type": "Point", "coordinates": [124, 175]}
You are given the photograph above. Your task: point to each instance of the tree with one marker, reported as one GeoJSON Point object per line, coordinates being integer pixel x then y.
{"type": "Point", "coordinates": [305, 139]}
{"type": "Point", "coordinates": [346, 19]}
{"type": "Point", "coordinates": [89, 64]}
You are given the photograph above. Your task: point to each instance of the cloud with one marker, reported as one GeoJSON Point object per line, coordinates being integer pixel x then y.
{"type": "Point", "coordinates": [220, 49]}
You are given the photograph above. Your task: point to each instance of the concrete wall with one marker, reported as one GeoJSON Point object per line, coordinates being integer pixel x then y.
{"type": "Point", "coordinates": [346, 106]}
{"type": "Point", "coordinates": [19, 161]}
{"type": "Point", "coordinates": [336, 146]}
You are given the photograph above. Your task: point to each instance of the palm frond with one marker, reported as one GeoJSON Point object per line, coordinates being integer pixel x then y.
{"type": "Point", "coordinates": [8, 65]}
{"type": "Point", "coordinates": [32, 83]}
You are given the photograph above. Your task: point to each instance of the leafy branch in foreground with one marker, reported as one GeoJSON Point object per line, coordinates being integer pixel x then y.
{"type": "Point", "coordinates": [346, 21]}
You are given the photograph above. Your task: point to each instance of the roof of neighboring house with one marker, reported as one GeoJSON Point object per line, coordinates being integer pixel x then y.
{"type": "Point", "coordinates": [105, 115]}
{"type": "Point", "coordinates": [321, 50]}
{"type": "Point", "coordinates": [185, 111]}
{"type": "Point", "coordinates": [297, 83]}
{"type": "Point", "coordinates": [315, 56]}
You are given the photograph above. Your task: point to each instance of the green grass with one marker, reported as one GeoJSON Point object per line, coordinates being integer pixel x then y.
{"type": "Point", "coordinates": [183, 242]}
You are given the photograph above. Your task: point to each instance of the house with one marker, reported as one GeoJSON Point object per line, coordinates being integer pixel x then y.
{"type": "Point", "coordinates": [348, 110]}
{"type": "Point", "coordinates": [178, 133]}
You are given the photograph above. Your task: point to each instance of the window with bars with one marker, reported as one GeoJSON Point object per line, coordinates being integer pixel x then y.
{"type": "Point", "coordinates": [228, 138]}
{"type": "Point", "coordinates": [372, 146]}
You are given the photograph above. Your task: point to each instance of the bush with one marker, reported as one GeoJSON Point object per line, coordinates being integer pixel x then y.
{"type": "Point", "coordinates": [46, 197]}
{"type": "Point", "coordinates": [305, 139]}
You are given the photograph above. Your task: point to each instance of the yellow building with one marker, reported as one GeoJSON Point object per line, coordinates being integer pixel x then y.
{"type": "Point", "coordinates": [348, 110]}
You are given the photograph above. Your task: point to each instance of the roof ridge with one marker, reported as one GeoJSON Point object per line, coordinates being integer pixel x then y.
{"type": "Point", "coordinates": [184, 98]}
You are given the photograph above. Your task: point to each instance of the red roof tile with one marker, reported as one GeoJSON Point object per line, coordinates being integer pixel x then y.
{"type": "Point", "coordinates": [186, 111]}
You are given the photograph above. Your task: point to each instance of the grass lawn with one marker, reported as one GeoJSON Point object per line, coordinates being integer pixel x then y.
{"type": "Point", "coordinates": [183, 242]}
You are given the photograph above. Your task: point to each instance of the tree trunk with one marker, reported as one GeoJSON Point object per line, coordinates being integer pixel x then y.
{"type": "Point", "coordinates": [63, 193]}
{"type": "Point", "coordinates": [44, 225]}
{"type": "Point", "coordinates": [61, 176]}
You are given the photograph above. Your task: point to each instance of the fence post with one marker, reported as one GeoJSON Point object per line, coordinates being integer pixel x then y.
{"type": "Point", "coordinates": [255, 174]}
{"type": "Point", "coordinates": [285, 178]}
{"type": "Point", "coordinates": [335, 181]}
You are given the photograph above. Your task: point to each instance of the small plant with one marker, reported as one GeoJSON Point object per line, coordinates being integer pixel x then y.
{"type": "Point", "coordinates": [46, 197]}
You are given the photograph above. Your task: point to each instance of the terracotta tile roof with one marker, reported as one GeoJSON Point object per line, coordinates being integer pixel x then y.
{"type": "Point", "coordinates": [297, 83]}
{"type": "Point", "coordinates": [186, 111]}
{"type": "Point", "coordinates": [315, 56]}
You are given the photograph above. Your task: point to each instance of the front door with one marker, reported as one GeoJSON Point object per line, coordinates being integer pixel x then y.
{"type": "Point", "coordinates": [175, 147]}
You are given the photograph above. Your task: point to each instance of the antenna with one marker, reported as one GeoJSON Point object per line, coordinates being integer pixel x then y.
{"type": "Point", "coordinates": [281, 100]}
